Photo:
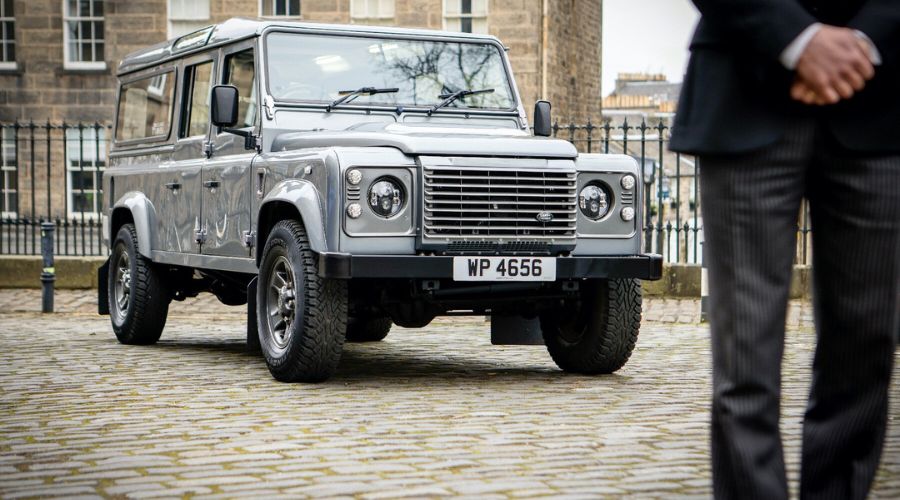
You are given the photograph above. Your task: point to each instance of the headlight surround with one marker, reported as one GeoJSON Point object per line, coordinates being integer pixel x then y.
{"type": "Point", "coordinates": [386, 197]}
{"type": "Point", "coordinates": [594, 200]}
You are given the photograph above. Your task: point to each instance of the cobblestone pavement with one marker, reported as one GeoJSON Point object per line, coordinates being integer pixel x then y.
{"type": "Point", "coordinates": [426, 413]}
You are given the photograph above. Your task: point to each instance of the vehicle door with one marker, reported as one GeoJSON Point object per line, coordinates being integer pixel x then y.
{"type": "Point", "coordinates": [227, 180]}
{"type": "Point", "coordinates": [181, 229]}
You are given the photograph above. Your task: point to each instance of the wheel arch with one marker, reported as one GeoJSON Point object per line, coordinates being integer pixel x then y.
{"type": "Point", "coordinates": [292, 199]}
{"type": "Point", "coordinates": [134, 208]}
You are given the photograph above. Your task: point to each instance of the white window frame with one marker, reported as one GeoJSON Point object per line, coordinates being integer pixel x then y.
{"type": "Point", "coordinates": [190, 21]}
{"type": "Point", "coordinates": [8, 169]}
{"type": "Point", "coordinates": [279, 16]}
{"type": "Point", "coordinates": [4, 18]}
{"type": "Point", "coordinates": [446, 16]}
{"type": "Point", "coordinates": [356, 16]}
{"type": "Point", "coordinates": [88, 148]}
{"type": "Point", "coordinates": [67, 35]}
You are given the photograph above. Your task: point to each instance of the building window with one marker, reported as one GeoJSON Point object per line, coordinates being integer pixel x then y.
{"type": "Point", "coordinates": [279, 8]}
{"type": "Point", "coordinates": [84, 45]}
{"type": "Point", "coordinates": [468, 16]}
{"type": "Point", "coordinates": [7, 35]}
{"type": "Point", "coordinates": [85, 163]}
{"type": "Point", "coordinates": [9, 176]}
{"type": "Point", "coordinates": [372, 11]}
{"type": "Point", "coordinates": [187, 16]}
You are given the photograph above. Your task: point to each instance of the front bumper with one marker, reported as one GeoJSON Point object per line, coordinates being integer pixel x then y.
{"type": "Point", "coordinates": [346, 266]}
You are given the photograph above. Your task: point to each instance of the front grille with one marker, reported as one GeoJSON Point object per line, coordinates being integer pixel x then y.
{"type": "Point", "coordinates": [499, 204]}
{"type": "Point", "coordinates": [512, 247]}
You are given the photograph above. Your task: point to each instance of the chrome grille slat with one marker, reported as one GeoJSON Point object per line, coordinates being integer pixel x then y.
{"type": "Point", "coordinates": [499, 204]}
{"type": "Point", "coordinates": [503, 194]}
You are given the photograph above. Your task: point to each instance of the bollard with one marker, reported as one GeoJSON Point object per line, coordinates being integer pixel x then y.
{"type": "Point", "coordinates": [704, 286]}
{"type": "Point", "coordinates": [48, 272]}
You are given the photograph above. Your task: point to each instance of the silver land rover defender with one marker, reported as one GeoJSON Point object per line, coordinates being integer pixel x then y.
{"type": "Point", "coordinates": [342, 179]}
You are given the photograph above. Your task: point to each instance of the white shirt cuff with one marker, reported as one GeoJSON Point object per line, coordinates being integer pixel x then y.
{"type": "Point", "coordinates": [874, 55]}
{"type": "Point", "coordinates": [791, 54]}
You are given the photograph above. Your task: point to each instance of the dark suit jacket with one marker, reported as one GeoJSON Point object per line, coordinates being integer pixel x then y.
{"type": "Point", "coordinates": [736, 94]}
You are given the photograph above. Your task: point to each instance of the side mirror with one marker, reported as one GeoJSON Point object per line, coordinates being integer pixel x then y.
{"type": "Point", "coordinates": [223, 108]}
{"type": "Point", "coordinates": [542, 126]}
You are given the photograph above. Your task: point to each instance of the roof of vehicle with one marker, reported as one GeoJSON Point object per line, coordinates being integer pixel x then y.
{"type": "Point", "coordinates": [237, 28]}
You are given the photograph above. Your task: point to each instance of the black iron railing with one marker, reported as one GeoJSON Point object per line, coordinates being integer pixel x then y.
{"type": "Point", "coordinates": [53, 172]}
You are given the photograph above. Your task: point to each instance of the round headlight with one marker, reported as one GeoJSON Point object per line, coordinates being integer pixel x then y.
{"type": "Point", "coordinates": [593, 202]}
{"type": "Point", "coordinates": [628, 182]}
{"type": "Point", "coordinates": [386, 197]}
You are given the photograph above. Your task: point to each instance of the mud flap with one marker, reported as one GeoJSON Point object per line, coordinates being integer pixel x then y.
{"type": "Point", "coordinates": [103, 289]}
{"type": "Point", "coordinates": [515, 330]}
{"type": "Point", "coordinates": [252, 329]}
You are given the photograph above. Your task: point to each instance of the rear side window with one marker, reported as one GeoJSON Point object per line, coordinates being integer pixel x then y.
{"type": "Point", "coordinates": [145, 107]}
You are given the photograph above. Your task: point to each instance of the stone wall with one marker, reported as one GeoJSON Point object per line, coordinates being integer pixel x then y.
{"type": "Point", "coordinates": [42, 90]}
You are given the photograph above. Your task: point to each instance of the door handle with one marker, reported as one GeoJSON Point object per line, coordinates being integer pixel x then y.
{"type": "Point", "coordinates": [211, 184]}
{"type": "Point", "coordinates": [173, 185]}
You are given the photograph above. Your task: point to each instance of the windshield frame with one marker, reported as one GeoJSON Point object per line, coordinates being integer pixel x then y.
{"type": "Point", "coordinates": [513, 110]}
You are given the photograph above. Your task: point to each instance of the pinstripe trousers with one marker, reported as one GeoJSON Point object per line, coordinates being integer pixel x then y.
{"type": "Point", "coordinates": [751, 205]}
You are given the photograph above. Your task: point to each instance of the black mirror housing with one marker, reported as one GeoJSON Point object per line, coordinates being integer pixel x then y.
{"type": "Point", "coordinates": [542, 123]}
{"type": "Point", "coordinates": [223, 107]}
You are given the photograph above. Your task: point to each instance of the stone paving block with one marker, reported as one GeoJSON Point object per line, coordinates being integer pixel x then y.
{"type": "Point", "coordinates": [426, 413]}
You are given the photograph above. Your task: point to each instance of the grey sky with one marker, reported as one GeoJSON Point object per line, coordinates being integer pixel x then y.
{"type": "Point", "coordinates": [646, 36]}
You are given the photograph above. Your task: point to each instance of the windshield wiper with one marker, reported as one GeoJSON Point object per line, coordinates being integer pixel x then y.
{"type": "Point", "coordinates": [349, 95]}
{"type": "Point", "coordinates": [459, 94]}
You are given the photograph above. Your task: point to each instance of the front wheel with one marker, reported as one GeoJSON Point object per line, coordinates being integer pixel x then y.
{"type": "Point", "coordinates": [597, 334]}
{"type": "Point", "coordinates": [302, 318]}
{"type": "Point", "coordinates": [138, 301]}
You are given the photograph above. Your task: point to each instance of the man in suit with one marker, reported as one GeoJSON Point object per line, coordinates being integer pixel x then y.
{"type": "Point", "coordinates": [785, 99]}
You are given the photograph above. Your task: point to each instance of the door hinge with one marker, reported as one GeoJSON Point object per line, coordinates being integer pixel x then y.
{"type": "Point", "coordinates": [249, 236]}
{"type": "Point", "coordinates": [208, 148]}
{"type": "Point", "coordinates": [200, 236]}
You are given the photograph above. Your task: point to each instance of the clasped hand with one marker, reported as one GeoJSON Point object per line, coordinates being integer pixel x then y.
{"type": "Point", "coordinates": [833, 67]}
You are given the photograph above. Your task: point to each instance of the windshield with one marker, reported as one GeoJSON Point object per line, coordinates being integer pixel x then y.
{"type": "Point", "coordinates": [323, 68]}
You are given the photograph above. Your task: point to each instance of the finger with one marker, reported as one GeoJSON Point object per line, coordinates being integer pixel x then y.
{"type": "Point", "coordinates": [843, 88]}
{"type": "Point", "coordinates": [829, 95]}
{"type": "Point", "coordinates": [862, 64]}
{"type": "Point", "coordinates": [855, 80]}
{"type": "Point", "coordinates": [821, 85]}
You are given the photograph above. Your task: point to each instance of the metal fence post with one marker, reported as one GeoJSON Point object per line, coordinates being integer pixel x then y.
{"type": "Point", "coordinates": [48, 272]}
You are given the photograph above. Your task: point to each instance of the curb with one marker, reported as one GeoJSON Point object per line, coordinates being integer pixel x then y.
{"type": "Point", "coordinates": [678, 280]}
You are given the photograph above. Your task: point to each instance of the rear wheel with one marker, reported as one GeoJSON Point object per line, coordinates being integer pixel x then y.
{"type": "Point", "coordinates": [598, 334]}
{"type": "Point", "coordinates": [302, 318]}
{"type": "Point", "coordinates": [368, 329]}
{"type": "Point", "coordinates": [138, 301]}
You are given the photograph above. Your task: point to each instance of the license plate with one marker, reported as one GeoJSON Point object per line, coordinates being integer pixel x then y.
{"type": "Point", "coordinates": [504, 268]}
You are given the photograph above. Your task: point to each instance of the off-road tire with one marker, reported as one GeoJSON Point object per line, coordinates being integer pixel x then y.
{"type": "Point", "coordinates": [368, 329]}
{"type": "Point", "coordinates": [144, 316]}
{"type": "Point", "coordinates": [314, 340]}
{"type": "Point", "coordinates": [599, 334]}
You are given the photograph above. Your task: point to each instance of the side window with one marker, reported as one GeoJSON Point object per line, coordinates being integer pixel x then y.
{"type": "Point", "coordinates": [197, 85]}
{"type": "Point", "coordinates": [145, 107]}
{"type": "Point", "coordinates": [241, 72]}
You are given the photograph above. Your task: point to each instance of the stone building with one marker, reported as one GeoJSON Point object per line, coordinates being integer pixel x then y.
{"type": "Point", "coordinates": [58, 60]}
